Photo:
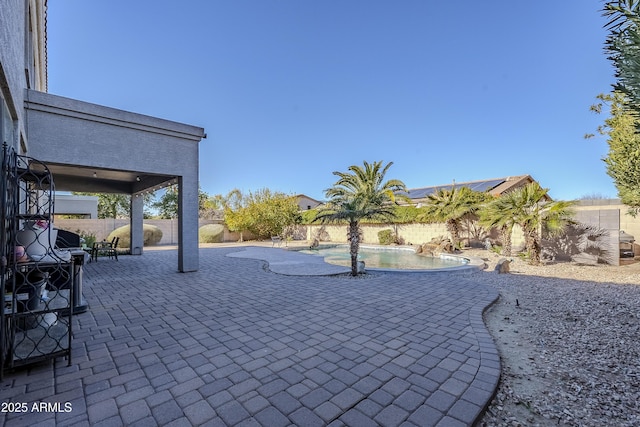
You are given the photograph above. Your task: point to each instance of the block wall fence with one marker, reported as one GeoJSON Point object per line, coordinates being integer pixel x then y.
{"type": "Point", "coordinates": [607, 214]}
{"type": "Point", "coordinates": [409, 233]}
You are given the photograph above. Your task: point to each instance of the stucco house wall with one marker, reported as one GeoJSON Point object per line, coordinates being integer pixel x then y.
{"type": "Point", "coordinates": [67, 204]}
{"type": "Point", "coordinates": [19, 62]}
{"type": "Point", "coordinates": [306, 202]}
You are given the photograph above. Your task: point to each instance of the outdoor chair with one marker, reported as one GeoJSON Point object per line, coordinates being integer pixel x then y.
{"type": "Point", "coordinates": [105, 248]}
{"type": "Point", "coordinates": [112, 251]}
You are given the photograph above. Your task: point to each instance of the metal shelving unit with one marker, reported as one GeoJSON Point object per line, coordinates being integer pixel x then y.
{"type": "Point", "coordinates": [36, 288]}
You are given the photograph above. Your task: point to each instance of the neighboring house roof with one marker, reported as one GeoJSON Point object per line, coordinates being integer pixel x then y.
{"type": "Point", "coordinates": [300, 196]}
{"type": "Point", "coordinates": [495, 186]}
{"type": "Point", "coordinates": [305, 202]}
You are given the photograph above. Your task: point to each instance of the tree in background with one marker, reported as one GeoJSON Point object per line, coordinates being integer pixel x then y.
{"type": "Point", "coordinates": [211, 207]}
{"type": "Point", "coordinates": [264, 213]}
{"type": "Point", "coordinates": [623, 46]}
{"type": "Point", "coordinates": [235, 213]}
{"type": "Point", "coordinates": [623, 159]}
{"type": "Point", "coordinates": [113, 205]}
{"type": "Point", "coordinates": [451, 207]}
{"type": "Point", "coordinates": [167, 204]}
{"type": "Point", "coordinates": [117, 205]}
{"type": "Point", "coordinates": [405, 214]}
{"type": "Point", "coordinates": [361, 194]}
{"type": "Point", "coordinates": [270, 212]}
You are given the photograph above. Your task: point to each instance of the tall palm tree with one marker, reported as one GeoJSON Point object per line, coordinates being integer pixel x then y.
{"type": "Point", "coordinates": [361, 193]}
{"type": "Point", "coordinates": [530, 208]}
{"type": "Point", "coordinates": [450, 207]}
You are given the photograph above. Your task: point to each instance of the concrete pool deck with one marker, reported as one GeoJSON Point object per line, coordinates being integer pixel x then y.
{"type": "Point", "coordinates": [237, 344]}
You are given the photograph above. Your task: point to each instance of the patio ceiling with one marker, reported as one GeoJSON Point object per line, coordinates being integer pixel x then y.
{"type": "Point", "coordinates": [97, 180]}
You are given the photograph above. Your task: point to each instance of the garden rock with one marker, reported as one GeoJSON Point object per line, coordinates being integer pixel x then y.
{"type": "Point", "coordinates": [502, 267]}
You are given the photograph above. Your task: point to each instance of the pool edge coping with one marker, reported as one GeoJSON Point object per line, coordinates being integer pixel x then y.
{"type": "Point", "coordinates": [472, 265]}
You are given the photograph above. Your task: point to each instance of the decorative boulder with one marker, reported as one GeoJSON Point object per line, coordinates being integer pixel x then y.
{"type": "Point", "coordinates": [446, 247]}
{"type": "Point", "coordinates": [437, 246]}
{"type": "Point", "coordinates": [502, 266]}
{"type": "Point", "coordinates": [151, 235]}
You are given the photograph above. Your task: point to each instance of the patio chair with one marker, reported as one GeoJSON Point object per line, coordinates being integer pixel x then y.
{"type": "Point", "coordinates": [276, 240]}
{"type": "Point", "coordinates": [112, 251]}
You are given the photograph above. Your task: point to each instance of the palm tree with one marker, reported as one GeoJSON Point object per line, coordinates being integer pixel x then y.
{"type": "Point", "coordinates": [530, 208]}
{"type": "Point", "coordinates": [500, 213]}
{"type": "Point", "coordinates": [360, 194]}
{"type": "Point", "coordinates": [450, 207]}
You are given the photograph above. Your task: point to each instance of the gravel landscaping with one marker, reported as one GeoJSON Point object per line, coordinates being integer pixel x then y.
{"type": "Point", "coordinates": [569, 340]}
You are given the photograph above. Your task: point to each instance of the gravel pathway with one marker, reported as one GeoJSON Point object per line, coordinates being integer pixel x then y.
{"type": "Point", "coordinates": [569, 339]}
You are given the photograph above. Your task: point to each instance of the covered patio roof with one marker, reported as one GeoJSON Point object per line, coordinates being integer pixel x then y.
{"type": "Point", "coordinates": [93, 148]}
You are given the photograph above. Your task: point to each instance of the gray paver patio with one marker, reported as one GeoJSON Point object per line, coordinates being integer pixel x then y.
{"type": "Point", "coordinates": [237, 344]}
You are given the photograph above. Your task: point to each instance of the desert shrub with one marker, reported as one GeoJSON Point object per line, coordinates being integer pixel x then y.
{"type": "Point", "coordinates": [211, 233]}
{"type": "Point", "coordinates": [496, 249]}
{"type": "Point", "coordinates": [151, 235]}
{"type": "Point", "coordinates": [386, 237]}
{"type": "Point", "coordinates": [405, 214]}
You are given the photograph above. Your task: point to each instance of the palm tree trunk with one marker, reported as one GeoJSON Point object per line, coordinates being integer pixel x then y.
{"type": "Point", "coordinates": [453, 229]}
{"type": "Point", "coordinates": [506, 240]}
{"type": "Point", "coordinates": [354, 240]}
{"type": "Point", "coordinates": [533, 247]}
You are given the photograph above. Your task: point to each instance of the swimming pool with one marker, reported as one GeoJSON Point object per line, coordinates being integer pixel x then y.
{"type": "Point", "coordinates": [386, 258]}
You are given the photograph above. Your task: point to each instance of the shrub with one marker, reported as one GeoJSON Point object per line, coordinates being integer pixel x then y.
{"type": "Point", "coordinates": [211, 233]}
{"type": "Point", "coordinates": [151, 235]}
{"type": "Point", "coordinates": [86, 237]}
{"type": "Point", "coordinates": [309, 216]}
{"type": "Point", "coordinates": [386, 237]}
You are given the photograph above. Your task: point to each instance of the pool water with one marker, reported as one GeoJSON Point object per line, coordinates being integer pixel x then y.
{"type": "Point", "coordinates": [386, 258]}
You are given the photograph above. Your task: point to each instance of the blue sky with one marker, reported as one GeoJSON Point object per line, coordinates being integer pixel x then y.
{"type": "Point", "coordinates": [289, 91]}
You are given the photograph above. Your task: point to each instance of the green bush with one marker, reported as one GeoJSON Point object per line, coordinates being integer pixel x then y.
{"type": "Point", "coordinates": [211, 233]}
{"type": "Point", "coordinates": [89, 237]}
{"type": "Point", "coordinates": [309, 216]}
{"type": "Point", "coordinates": [151, 235]}
{"type": "Point", "coordinates": [386, 237]}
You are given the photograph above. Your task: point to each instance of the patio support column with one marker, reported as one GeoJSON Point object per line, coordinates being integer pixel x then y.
{"type": "Point", "coordinates": [137, 216]}
{"type": "Point", "coordinates": [188, 252]}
